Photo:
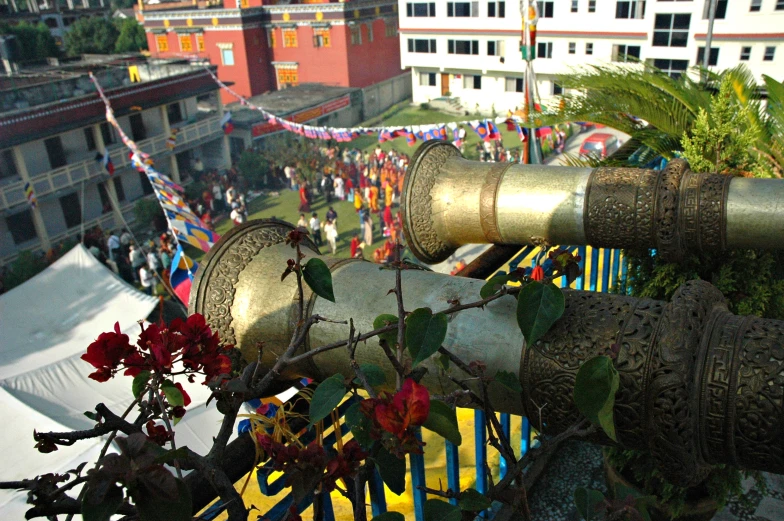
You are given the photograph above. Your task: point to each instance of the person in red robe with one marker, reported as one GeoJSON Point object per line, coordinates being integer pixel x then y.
{"type": "Point", "coordinates": [388, 220]}
{"type": "Point", "coordinates": [354, 246]}
{"type": "Point", "coordinates": [304, 204]}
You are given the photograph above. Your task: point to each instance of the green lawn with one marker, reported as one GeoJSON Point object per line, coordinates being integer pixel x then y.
{"type": "Point", "coordinates": [285, 207]}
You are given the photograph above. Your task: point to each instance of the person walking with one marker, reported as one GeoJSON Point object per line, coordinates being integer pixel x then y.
{"type": "Point", "coordinates": [153, 262]}
{"type": "Point", "coordinates": [147, 278]}
{"type": "Point", "coordinates": [137, 260]}
{"type": "Point", "coordinates": [331, 234]}
{"type": "Point", "coordinates": [302, 223]}
{"type": "Point", "coordinates": [367, 229]}
{"type": "Point", "coordinates": [315, 229]}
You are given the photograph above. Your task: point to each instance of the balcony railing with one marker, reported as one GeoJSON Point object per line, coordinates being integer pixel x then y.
{"type": "Point", "coordinates": [53, 180]}
{"type": "Point", "coordinates": [602, 270]}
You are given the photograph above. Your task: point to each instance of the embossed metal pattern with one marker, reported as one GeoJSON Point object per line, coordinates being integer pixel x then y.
{"type": "Point", "coordinates": [620, 207]}
{"type": "Point", "coordinates": [667, 239]}
{"type": "Point", "coordinates": [713, 212]}
{"type": "Point", "coordinates": [416, 201]}
{"type": "Point", "coordinates": [487, 202]}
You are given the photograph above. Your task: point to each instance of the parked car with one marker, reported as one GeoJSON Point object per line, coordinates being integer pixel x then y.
{"type": "Point", "coordinates": [600, 145]}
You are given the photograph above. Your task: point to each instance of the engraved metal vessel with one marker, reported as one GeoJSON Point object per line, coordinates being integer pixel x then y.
{"type": "Point", "coordinates": [698, 385]}
{"type": "Point", "coordinates": [449, 201]}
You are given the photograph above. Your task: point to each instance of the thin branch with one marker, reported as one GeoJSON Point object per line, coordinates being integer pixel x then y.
{"type": "Point", "coordinates": [352, 349]}
{"type": "Point", "coordinates": [401, 312]}
{"type": "Point", "coordinates": [169, 428]}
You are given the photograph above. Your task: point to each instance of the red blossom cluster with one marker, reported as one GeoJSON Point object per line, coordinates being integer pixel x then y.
{"type": "Point", "coordinates": [158, 433]}
{"type": "Point", "coordinates": [190, 341]}
{"type": "Point", "coordinates": [313, 459]}
{"type": "Point", "coordinates": [398, 415]}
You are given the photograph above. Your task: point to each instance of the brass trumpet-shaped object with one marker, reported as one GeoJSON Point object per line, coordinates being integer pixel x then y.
{"type": "Point", "coordinates": [698, 385]}
{"type": "Point", "coordinates": [449, 201]}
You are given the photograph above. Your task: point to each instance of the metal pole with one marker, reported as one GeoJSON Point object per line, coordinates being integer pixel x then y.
{"type": "Point", "coordinates": [709, 35]}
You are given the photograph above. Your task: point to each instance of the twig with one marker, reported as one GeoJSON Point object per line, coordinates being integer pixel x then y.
{"type": "Point", "coordinates": [352, 349]}
{"type": "Point", "coordinates": [169, 428]}
{"type": "Point", "coordinates": [401, 313]}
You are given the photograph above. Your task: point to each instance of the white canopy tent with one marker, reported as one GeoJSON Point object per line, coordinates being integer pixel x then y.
{"type": "Point", "coordinates": [46, 325]}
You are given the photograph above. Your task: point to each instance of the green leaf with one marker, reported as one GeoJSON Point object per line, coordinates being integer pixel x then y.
{"type": "Point", "coordinates": [508, 380]}
{"type": "Point", "coordinates": [360, 426]}
{"type": "Point", "coordinates": [373, 373]}
{"type": "Point", "coordinates": [442, 420]}
{"type": "Point", "coordinates": [318, 277]}
{"type": "Point", "coordinates": [386, 320]}
{"type": "Point", "coordinates": [539, 306]}
{"type": "Point", "coordinates": [153, 507]}
{"type": "Point", "coordinates": [425, 332]}
{"type": "Point", "coordinates": [594, 392]}
{"type": "Point", "coordinates": [100, 503]}
{"type": "Point", "coordinates": [389, 516]}
{"type": "Point", "coordinates": [641, 502]}
{"type": "Point", "coordinates": [443, 361]}
{"type": "Point", "coordinates": [173, 395]}
{"type": "Point", "coordinates": [171, 455]}
{"type": "Point", "coordinates": [91, 415]}
{"type": "Point", "coordinates": [587, 502]}
{"type": "Point", "coordinates": [492, 286]}
{"type": "Point", "coordinates": [140, 383]}
{"type": "Point", "coordinates": [326, 397]}
{"type": "Point", "coordinates": [437, 510]}
{"type": "Point", "coordinates": [391, 468]}
{"type": "Point", "coordinates": [473, 501]}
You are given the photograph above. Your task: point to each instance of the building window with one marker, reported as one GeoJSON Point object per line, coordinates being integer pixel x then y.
{"type": "Point", "coordinates": [721, 10]}
{"type": "Point", "coordinates": [545, 8]}
{"type": "Point", "coordinates": [186, 44]}
{"type": "Point", "coordinates": [745, 54]}
{"type": "Point", "coordinates": [427, 79]}
{"type": "Point", "coordinates": [424, 46]}
{"type": "Point", "coordinates": [514, 84]}
{"type": "Point", "coordinates": [289, 37]}
{"type": "Point", "coordinates": [756, 5]}
{"type": "Point", "coordinates": [625, 53]}
{"type": "Point", "coordinates": [356, 35]}
{"type": "Point", "coordinates": [146, 185]}
{"type": "Point", "coordinates": [495, 48]}
{"type": "Point", "coordinates": [557, 89]}
{"type": "Point", "coordinates": [769, 53]}
{"type": "Point", "coordinates": [673, 68]}
{"type": "Point", "coordinates": [118, 188]}
{"type": "Point", "coordinates": [591, 6]}
{"type": "Point", "coordinates": [390, 28]}
{"type": "Point", "coordinates": [574, 5]}
{"type": "Point", "coordinates": [472, 82]}
{"type": "Point", "coordinates": [671, 30]}
{"type": "Point", "coordinates": [244, 4]}
{"type": "Point", "coordinates": [138, 132]}
{"type": "Point", "coordinates": [162, 42]}
{"type": "Point", "coordinates": [227, 56]}
{"type": "Point", "coordinates": [496, 9]}
{"type": "Point", "coordinates": [589, 49]}
{"type": "Point", "coordinates": [103, 193]}
{"type": "Point", "coordinates": [544, 50]}
{"type": "Point", "coordinates": [572, 48]}
{"type": "Point", "coordinates": [713, 59]}
{"type": "Point", "coordinates": [89, 138]}
{"type": "Point", "coordinates": [271, 41]}
{"type": "Point", "coordinates": [200, 42]}
{"type": "Point", "coordinates": [779, 5]}
{"type": "Point", "coordinates": [21, 227]}
{"type": "Point", "coordinates": [462, 9]}
{"type": "Point", "coordinates": [288, 78]}
{"type": "Point", "coordinates": [463, 46]}
{"type": "Point", "coordinates": [72, 210]}
{"type": "Point", "coordinates": [321, 38]}
{"type": "Point", "coordinates": [174, 112]}
{"type": "Point", "coordinates": [54, 149]}
{"type": "Point", "coordinates": [107, 133]}
{"type": "Point", "coordinates": [370, 31]}
{"type": "Point", "coordinates": [630, 9]}
{"type": "Point", "coordinates": [420, 9]}
{"type": "Point", "coordinates": [7, 164]}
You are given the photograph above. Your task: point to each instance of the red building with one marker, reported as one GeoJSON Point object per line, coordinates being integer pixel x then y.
{"type": "Point", "coordinates": [261, 47]}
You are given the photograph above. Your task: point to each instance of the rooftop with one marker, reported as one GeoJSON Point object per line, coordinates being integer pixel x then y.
{"type": "Point", "coordinates": [287, 101]}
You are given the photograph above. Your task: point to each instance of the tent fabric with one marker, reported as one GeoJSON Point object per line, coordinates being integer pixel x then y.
{"type": "Point", "coordinates": [46, 325]}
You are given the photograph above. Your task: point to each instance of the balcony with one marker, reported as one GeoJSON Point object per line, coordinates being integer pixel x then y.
{"type": "Point", "coordinates": [71, 175]}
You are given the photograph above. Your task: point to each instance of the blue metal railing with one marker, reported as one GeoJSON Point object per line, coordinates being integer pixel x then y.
{"type": "Point", "coordinates": [602, 270]}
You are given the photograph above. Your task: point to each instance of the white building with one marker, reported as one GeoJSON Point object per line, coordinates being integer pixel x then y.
{"type": "Point", "coordinates": [471, 49]}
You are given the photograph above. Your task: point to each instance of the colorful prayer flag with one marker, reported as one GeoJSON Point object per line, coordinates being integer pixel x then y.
{"type": "Point", "coordinates": [226, 124]}
{"type": "Point", "coordinates": [30, 193]}
{"type": "Point", "coordinates": [480, 127]}
{"type": "Point", "coordinates": [107, 162]}
{"type": "Point", "coordinates": [182, 272]}
{"type": "Point", "coordinates": [171, 142]}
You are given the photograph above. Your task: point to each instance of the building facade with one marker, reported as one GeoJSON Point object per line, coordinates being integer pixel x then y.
{"type": "Point", "coordinates": [53, 133]}
{"type": "Point", "coordinates": [57, 16]}
{"type": "Point", "coordinates": [260, 48]}
{"type": "Point", "coordinates": [471, 49]}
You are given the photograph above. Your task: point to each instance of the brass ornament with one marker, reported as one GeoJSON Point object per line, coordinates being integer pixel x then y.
{"type": "Point", "coordinates": [698, 385]}
{"type": "Point", "coordinates": [676, 211]}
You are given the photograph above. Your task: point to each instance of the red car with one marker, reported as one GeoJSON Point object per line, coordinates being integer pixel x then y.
{"type": "Point", "coordinates": [600, 145]}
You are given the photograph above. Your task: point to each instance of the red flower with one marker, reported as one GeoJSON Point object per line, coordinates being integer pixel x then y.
{"type": "Point", "coordinates": [413, 403]}
{"type": "Point", "coordinates": [106, 353]}
{"type": "Point", "coordinates": [398, 414]}
{"type": "Point", "coordinates": [186, 399]}
{"type": "Point", "coordinates": [158, 433]}
{"type": "Point", "coordinates": [537, 274]}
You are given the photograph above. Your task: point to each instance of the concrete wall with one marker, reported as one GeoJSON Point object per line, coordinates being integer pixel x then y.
{"type": "Point", "coordinates": [379, 97]}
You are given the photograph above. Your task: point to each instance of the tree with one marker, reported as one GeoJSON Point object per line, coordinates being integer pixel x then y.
{"type": "Point", "coordinates": [254, 167]}
{"type": "Point", "coordinates": [94, 35]}
{"type": "Point", "coordinates": [35, 41]}
{"type": "Point", "coordinates": [131, 37]}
